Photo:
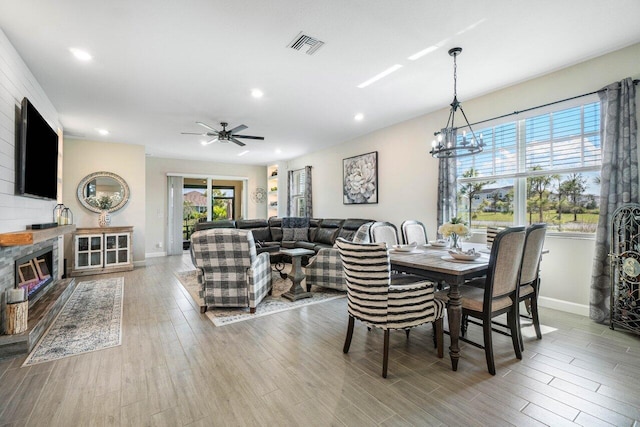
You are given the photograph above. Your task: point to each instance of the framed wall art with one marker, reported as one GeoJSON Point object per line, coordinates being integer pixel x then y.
{"type": "Point", "coordinates": [360, 179]}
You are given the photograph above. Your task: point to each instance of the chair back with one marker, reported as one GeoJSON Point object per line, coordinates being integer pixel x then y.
{"type": "Point", "coordinates": [414, 232]}
{"type": "Point", "coordinates": [383, 232]}
{"type": "Point", "coordinates": [362, 234]}
{"type": "Point", "coordinates": [223, 248]}
{"type": "Point", "coordinates": [366, 269]}
{"type": "Point", "coordinates": [504, 264]}
{"type": "Point", "coordinates": [532, 253]}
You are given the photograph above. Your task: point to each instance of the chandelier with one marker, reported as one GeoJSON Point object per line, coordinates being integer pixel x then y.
{"type": "Point", "coordinates": [447, 144]}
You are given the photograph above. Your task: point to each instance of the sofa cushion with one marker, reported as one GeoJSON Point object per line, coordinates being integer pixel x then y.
{"type": "Point", "coordinates": [326, 235]}
{"type": "Point", "coordinates": [275, 226]}
{"type": "Point", "coordinates": [314, 223]}
{"type": "Point", "coordinates": [296, 234]}
{"type": "Point", "coordinates": [223, 223]}
{"type": "Point", "coordinates": [306, 245]}
{"type": "Point", "coordinates": [259, 228]}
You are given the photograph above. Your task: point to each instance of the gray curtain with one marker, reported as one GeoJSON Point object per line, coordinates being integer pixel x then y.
{"type": "Point", "coordinates": [447, 183]}
{"type": "Point", "coordinates": [289, 192]}
{"type": "Point", "coordinates": [175, 203]}
{"type": "Point", "coordinates": [307, 192]}
{"type": "Point", "coordinates": [619, 182]}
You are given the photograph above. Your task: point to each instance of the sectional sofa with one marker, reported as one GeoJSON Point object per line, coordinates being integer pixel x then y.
{"type": "Point", "coordinates": [270, 235]}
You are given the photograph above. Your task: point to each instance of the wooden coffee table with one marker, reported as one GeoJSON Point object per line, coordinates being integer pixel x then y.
{"type": "Point", "coordinates": [297, 276]}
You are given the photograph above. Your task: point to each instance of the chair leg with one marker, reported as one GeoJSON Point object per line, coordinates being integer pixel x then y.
{"type": "Point", "coordinates": [347, 340]}
{"type": "Point", "coordinates": [464, 324]}
{"type": "Point", "coordinates": [252, 310]}
{"type": "Point", "coordinates": [534, 315]}
{"type": "Point", "coordinates": [488, 346]}
{"type": "Point", "coordinates": [406, 331]}
{"type": "Point", "coordinates": [439, 336]}
{"type": "Point", "coordinates": [514, 325]}
{"type": "Point", "coordinates": [385, 357]}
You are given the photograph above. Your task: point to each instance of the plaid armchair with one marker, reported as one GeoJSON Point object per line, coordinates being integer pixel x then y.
{"type": "Point", "coordinates": [229, 271]}
{"type": "Point", "coordinates": [325, 269]}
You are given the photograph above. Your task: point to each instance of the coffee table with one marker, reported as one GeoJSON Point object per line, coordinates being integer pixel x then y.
{"type": "Point", "coordinates": [296, 292]}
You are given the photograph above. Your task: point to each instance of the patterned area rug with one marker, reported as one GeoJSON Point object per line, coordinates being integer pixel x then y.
{"type": "Point", "coordinates": [273, 303]}
{"type": "Point", "coordinates": [90, 320]}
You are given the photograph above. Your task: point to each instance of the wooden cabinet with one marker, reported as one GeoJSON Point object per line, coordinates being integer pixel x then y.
{"type": "Point", "coordinates": [102, 250]}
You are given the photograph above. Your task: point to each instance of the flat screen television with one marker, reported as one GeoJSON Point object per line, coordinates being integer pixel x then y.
{"type": "Point", "coordinates": [36, 155]}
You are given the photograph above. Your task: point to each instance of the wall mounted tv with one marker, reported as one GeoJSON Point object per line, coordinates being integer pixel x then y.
{"type": "Point", "coordinates": [36, 155]}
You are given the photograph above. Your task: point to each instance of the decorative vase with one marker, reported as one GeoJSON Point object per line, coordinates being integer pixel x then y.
{"type": "Point", "coordinates": [104, 220]}
{"type": "Point", "coordinates": [455, 241]}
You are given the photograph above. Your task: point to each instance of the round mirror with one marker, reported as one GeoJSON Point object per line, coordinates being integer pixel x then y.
{"type": "Point", "coordinates": [103, 191]}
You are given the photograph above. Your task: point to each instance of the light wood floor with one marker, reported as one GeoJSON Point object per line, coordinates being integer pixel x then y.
{"type": "Point", "coordinates": [175, 368]}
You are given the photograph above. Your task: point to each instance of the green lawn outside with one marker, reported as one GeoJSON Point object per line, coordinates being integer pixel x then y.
{"type": "Point", "coordinates": [587, 222]}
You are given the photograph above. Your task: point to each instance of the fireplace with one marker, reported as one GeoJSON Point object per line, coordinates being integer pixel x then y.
{"type": "Point", "coordinates": [33, 272]}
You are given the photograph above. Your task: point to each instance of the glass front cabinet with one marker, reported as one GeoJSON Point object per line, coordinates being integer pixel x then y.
{"type": "Point", "coordinates": [102, 250]}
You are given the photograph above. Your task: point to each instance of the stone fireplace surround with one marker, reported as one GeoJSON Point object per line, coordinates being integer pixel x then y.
{"type": "Point", "coordinates": [44, 309]}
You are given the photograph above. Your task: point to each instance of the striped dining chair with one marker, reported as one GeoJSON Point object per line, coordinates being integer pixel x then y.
{"type": "Point", "coordinates": [383, 301]}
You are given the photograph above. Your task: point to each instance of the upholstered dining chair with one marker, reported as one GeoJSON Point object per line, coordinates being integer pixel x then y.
{"type": "Point", "coordinates": [382, 231]}
{"type": "Point", "coordinates": [377, 301]}
{"type": "Point", "coordinates": [499, 293]}
{"type": "Point", "coordinates": [529, 273]}
{"type": "Point", "coordinates": [229, 271]}
{"type": "Point", "coordinates": [414, 232]}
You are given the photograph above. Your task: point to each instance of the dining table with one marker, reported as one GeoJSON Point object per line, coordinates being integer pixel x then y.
{"type": "Point", "coordinates": [435, 263]}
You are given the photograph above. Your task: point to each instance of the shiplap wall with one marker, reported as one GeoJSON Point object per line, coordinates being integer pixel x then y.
{"type": "Point", "coordinates": [16, 82]}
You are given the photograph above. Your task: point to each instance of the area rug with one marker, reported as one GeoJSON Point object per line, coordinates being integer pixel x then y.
{"type": "Point", "coordinates": [274, 303]}
{"type": "Point", "coordinates": [90, 320]}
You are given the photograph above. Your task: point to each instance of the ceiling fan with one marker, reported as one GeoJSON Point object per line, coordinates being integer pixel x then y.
{"type": "Point", "coordinates": [224, 134]}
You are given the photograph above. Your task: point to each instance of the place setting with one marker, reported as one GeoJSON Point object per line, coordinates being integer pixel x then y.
{"type": "Point", "coordinates": [471, 256]}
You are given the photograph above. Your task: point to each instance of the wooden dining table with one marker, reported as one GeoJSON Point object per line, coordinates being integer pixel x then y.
{"type": "Point", "coordinates": [427, 261]}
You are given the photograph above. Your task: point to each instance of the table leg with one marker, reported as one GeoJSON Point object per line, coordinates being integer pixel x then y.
{"type": "Point", "coordinates": [296, 292]}
{"type": "Point", "coordinates": [454, 312]}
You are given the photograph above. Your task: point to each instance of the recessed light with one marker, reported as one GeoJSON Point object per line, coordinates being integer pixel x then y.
{"type": "Point", "coordinates": [257, 93]}
{"type": "Point", "coordinates": [81, 55]}
{"type": "Point", "coordinates": [103, 132]}
{"type": "Point", "coordinates": [243, 153]}
{"type": "Point", "coordinates": [422, 53]}
{"type": "Point", "coordinates": [382, 75]}
{"type": "Point", "coordinates": [358, 117]}
{"type": "Point", "coordinates": [278, 151]}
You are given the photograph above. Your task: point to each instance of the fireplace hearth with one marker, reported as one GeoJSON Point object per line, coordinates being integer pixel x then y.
{"type": "Point", "coordinates": [33, 272]}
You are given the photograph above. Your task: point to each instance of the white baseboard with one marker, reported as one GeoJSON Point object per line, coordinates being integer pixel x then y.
{"type": "Point", "coordinates": [155, 254]}
{"type": "Point", "coordinates": [567, 306]}
{"type": "Point", "coordinates": [139, 263]}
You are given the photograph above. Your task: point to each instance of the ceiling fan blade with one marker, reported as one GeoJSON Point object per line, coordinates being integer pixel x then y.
{"type": "Point", "coordinates": [211, 141]}
{"type": "Point", "coordinates": [193, 133]}
{"type": "Point", "coordinates": [206, 126]}
{"type": "Point", "coordinates": [235, 141]}
{"type": "Point", "coordinates": [237, 129]}
{"type": "Point", "coordinates": [249, 137]}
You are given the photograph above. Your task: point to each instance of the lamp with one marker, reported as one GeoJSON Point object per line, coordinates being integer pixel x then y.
{"type": "Point", "coordinates": [446, 143]}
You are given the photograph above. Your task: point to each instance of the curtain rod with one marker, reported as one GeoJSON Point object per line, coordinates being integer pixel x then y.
{"type": "Point", "coordinates": [635, 82]}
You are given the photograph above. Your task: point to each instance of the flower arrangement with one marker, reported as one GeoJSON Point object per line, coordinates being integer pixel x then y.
{"type": "Point", "coordinates": [454, 229]}
{"type": "Point", "coordinates": [104, 202]}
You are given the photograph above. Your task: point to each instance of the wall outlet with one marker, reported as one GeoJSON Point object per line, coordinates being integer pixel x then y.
{"type": "Point", "coordinates": [159, 244]}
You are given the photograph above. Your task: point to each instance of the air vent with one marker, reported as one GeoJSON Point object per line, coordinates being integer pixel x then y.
{"type": "Point", "coordinates": [305, 43]}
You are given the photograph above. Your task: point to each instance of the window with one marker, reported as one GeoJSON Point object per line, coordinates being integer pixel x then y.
{"type": "Point", "coordinates": [298, 204]}
{"type": "Point", "coordinates": [223, 201]}
{"type": "Point", "coordinates": [543, 168]}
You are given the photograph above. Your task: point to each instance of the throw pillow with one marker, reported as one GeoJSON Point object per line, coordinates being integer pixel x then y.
{"type": "Point", "coordinates": [287, 234]}
{"type": "Point", "coordinates": [301, 234]}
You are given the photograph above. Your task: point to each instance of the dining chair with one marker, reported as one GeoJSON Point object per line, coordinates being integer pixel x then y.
{"type": "Point", "coordinates": [414, 232]}
{"type": "Point", "coordinates": [530, 273]}
{"type": "Point", "coordinates": [499, 293]}
{"type": "Point", "coordinates": [374, 297]}
{"type": "Point", "coordinates": [382, 231]}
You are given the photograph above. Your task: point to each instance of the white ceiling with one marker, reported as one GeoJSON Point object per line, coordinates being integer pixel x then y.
{"type": "Point", "coordinates": [160, 65]}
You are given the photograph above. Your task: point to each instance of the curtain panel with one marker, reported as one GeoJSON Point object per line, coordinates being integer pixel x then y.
{"type": "Point", "coordinates": [618, 185]}
{"type": "Point", "coordinates": [447, 193]}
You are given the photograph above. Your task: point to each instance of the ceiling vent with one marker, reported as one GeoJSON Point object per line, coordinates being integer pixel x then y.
{"type": "Point", "coordinates": [305, 43]}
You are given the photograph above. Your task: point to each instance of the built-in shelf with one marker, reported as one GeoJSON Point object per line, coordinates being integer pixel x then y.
{"type": "Point", "coordinates": [29, 237]}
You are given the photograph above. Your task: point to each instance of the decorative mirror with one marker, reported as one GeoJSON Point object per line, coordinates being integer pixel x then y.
{"type": "Point", "coordinates": [103, 191]}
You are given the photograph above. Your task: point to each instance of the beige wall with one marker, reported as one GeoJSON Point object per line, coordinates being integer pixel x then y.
{"type": "Point", "coordinates": [408, 175]}
{"type": "Point", "coordinates": [156, 181]}
{"type": "Point", "coordinates": [128, 161]}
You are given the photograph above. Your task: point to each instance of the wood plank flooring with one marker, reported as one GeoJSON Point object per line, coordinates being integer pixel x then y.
{"type": "Point", "coordinates": [175, 368]}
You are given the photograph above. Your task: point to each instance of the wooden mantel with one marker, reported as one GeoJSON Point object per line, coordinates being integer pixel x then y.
{"type": "Point", "coordinates": [29, 237]}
